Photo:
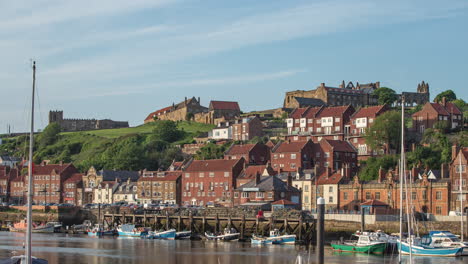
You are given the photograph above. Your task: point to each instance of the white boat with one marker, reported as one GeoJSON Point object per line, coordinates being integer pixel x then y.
{"type": "Point", "coordinates": [444, 239]}
{"type": "Point", "coordinates": [227, 235]}
{"type": "Point", "coordinates": [183, 234]}
{"type": "Point", "coordinates": [275, 238]}
{"type": "Point", "coordinates": [169, 234]}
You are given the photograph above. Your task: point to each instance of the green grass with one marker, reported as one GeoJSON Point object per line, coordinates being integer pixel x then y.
{"type": "Point", "coordinates": [189, 127]}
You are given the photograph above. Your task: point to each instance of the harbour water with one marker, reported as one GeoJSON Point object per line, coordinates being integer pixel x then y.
{"type": "Point", "coordinates": [65, 248]}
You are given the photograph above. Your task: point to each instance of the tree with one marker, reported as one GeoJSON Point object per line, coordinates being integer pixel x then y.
{"type": "Point", "coordinates": [189, 116]}
{"type": "Point", "coordinates": [167, 130]}
{"type": "Point", "coordinates": [385, 132]}
{"type": "Point", "coordinates": [449, 96]}
{"type": "Point", "coordinates": [49, 135]}
{"type": "Point", "coordinates": [370, 169]}
{"type": "Point", "coordinates": [385, 95]}
{"type": "Point", "coordinates": [211, 151]}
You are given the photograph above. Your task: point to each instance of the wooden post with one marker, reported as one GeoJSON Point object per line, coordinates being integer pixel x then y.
{"type": "Point", "coordinates": [178, 223]}
{"type": "Point", "coordinates": [134, 219]}
{"type": "Point", "coordinates": [113, 219]}
{"type": "Point", "coordinates": [242, 227]}
{"type": "Point", "coordinates": [229, 222]}
{"type": "Point", "coordinates": [300, 228]}
{"type": "Point", "coordinates": [271, 224]}
{"type": "Point", "coordinates": [256, 226]}
{"type": "Point", "coordinates": [167, 221]}
{"type": "Point", "coordinates": [191, 221]}
{"type": "Point", "coordinates": [124, 220]}
{"type": "Point", "coordinates": [320, 230]}
{"type": "Point", "coordinates": [203, 225]}
{"type": "Point", "coordinates": [144, 218]}
{"type": "Point", "coordinates": [286, 225]}
{"type": "Point", "coordinates": [217, 224]}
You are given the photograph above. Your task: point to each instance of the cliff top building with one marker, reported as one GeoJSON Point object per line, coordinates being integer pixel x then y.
{"type": "Point", "coordinates": [68, 125]}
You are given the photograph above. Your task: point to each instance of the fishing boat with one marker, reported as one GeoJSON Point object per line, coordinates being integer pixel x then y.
{"type": "Point", "coordinates": [183, 235]}
{"type": "Point", "coordinates": [275, 238]}
{"type": "Point", "coordinates": [418, 249]}
{"type": "Point", "coordinates": [22, 226]}
{"type": "Point", "coordinates": [99, 231]}
{"type": "Point", "coordinates": [362, 245]}
{"type": "Point", "coordinates": [129, 230]}
{"type": "Point", "coordinates": [227, 235]}
{"type": "Point", "coordinates": [169, 234]}
{"type": "Point", "coordinates": [444, 239]}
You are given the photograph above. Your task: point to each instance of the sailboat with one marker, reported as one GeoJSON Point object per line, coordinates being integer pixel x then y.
{"type": "Point", "coordinates": [412, 245]}
{"type": "Point", "coordinates": [28, 258]}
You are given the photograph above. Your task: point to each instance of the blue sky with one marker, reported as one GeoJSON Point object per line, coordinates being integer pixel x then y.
{"type": "Point", "coordinates": [122, 59]}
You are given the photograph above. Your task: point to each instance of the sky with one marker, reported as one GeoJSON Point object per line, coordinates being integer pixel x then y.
{"type": "Point", "coordinates": [123, 59]}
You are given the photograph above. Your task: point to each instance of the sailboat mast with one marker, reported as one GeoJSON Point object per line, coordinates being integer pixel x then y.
{"type": "Point", "coordinates": [461, 194]}
{"type": "Point", "coordinates": [30, 174]}
{"type": "Point", "coordinates": [401, 172]}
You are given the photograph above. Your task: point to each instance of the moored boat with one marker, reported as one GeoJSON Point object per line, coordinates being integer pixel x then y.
{"type": "Point", "coordinates": [418, 249]}
{"type": "Point", "coordinates": [169, 234]}
{"type": "Point", "coordinates": [129, 230]}
{"type": "Point", "coordinates": [227, 235]}
{"type": "Point", "coordinates": [444, 239]}
{"type": "Point", "coordinates": [22, 226]}
{"type": "Point", "coordinates": [99, 231]}
{"type": "Point", "coordinates": [275, 238]}
{"type": "Point", "coordinates": [183, 235]}
{"type": "Point", "coordinates": [363, 245]}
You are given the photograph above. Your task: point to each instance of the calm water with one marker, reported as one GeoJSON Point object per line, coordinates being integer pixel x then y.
{"type": "Point", "coordinates": [64, 248]}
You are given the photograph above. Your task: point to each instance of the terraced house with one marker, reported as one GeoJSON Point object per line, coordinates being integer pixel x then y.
{"type": "Point", "coordinates": [159, 187]}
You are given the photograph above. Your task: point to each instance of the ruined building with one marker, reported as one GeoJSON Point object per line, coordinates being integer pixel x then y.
{"type": "Point", "coordinates": [83, 124]}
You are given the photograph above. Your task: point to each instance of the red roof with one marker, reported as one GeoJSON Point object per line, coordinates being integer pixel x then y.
{"type": "Point", "coordinates": [312, 112]}
{"type": "Point", "coordinates": [168, 176]}
{"type": "Point", "coordinates": [3, 172]}
{"type": "Point", "coordinates": [336, 111]}
{"type": "Point", "coordinates": [224, 105]}
{"type": "Point", "coordinates": [47, 169]}
{"type": "Point", "coordinates": [284, 202]}
{"type": "Point", "coordinates": [240, 149]}
{"type": "Point", "coordinates": [270, 144]}
{"type": "Point", "coordinates": [15, 175]}
{"type": "Point", "coordinates": [155, 113]}
{"type": "Point", "coordinates": [374, 203]}
{"type": "Point", "coordinates": [371, 111]}
{"type": "Point", "coordinates": [295, 146]}
{"type": "Point", "coordinates": [75, 178]}
{"type": "Point", "coordinates": [212, 165]}
{"type": "Point", "coordinates": [339, 145]}
{"type": "Point", "coordinates": [297, 113]}
{"type": "Point", "coordinates": [251, 171]}
{"type": "Point", "coordinates": [452, 108]}
{"type": "Point", "coordinates": [335, 178]}
{"type": "Point", "coordinates": [440, 109]}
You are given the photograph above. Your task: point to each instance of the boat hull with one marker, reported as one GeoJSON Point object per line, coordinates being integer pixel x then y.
{"type": "Point", "coordinates": [183, 235]}
{"type": "Point", "coordinates": [370, 249]}
{"type": "Point", "coordinates": [47, 229]}
{"type": "Point", "coordinates": [101, 233]}
{"type": "Point", "coordinates": [227, 237]}
{"type": "Point", "coordinates": [169, 235]}
{"type": "Point", "coordinates": [425, 251]}
{"type": "Point", "coordinates": [279, 240]}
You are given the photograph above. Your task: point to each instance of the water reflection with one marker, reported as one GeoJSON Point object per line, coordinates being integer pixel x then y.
{"type": "Point", "coordinates": [64, 248]}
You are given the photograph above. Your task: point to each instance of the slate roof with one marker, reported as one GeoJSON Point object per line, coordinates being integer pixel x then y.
{"type": "Point", "coordinates": [10, 158]}
{"type": "Point", "coordinates": [212, 165]}
{"type": "Point", "coordinates": [124, 186]}
{"type": "Point", "coordinates": [111, 175]}
{"type": "Point", "coordinates": [371, 111]}
{"type": "Point", "coordinates": [304, 101]}
{"type": "Point", "coordinates": [269, 183]}
{"type": "Point", "coordinates": [224, 105]}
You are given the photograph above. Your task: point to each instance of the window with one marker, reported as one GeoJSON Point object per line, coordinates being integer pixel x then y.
{"type": "Point", "coordinates": [345, 196]}
{"type": "Point", "coordinates": [438, 195]}
{"type": "Point", "coordinates": [413, 196]}
{"type": "Point", "coordinates": [377, 195]}
{"type": "Point", "coordinates": [318, 155]}
{"type": "Point", "coordinates": [306, 199]}
{"type": "Point", "coordinates": [270, 195]}
{"type": "Point", "coordinates": [236, 195]}
{"type": "Point", "coordinates": [281, 155]}
{"type": "Point", "coordinates": [330, 189]}
{"type": "Point", "coordinates": [211, 174]}
{"type": "Point", "coordinates": [337, 119]}
{"type": "Point", "coordinates": [337, 128]}
{"type": "Point", "coordinates": [424, 194]}
{"type": "Point", "coordinates": [306, 188]}
{"type": "Point", "coordinates": [325, 164]}
{"type": "Point", "coordinates": [293, 156]}
{"type": "Point", "coordinates": [259, 195]}
{"type": "Point", "coordinates": [327, 154]}
{"type": "Point", "coordinates": [245, 195]}
{"type": "Point", "coordinates": [187, 175]}
{"type": "Point", "coordinates": [438, 210]}
{"type": "Point", "coordinates": [460, 169]}
{"type": "Point", "coordinates": [368, 196]}
{"type": "Point", "coordinates": [201, 174]}
{"type": "Point", "coordinates": [293, 165]}
{"type": "Point", "coordinates": [226, 174]}
{"type": "Point", "coordinates": [330, 199]}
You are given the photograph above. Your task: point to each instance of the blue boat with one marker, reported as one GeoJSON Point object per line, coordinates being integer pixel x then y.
{"type": "Point", "coordinates": [274, 239]}
{"type": "Point", "coordinates": [129, 230]}
{"type": "Point", "coordinates": [169, 235]}
{"type": "Point", "coordinates": [444, 239]}
{"type": "Point", "coordinates": [419, 249]}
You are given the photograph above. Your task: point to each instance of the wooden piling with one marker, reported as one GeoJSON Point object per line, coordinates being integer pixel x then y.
{"type": "Point", "coordinates": [242, 227]}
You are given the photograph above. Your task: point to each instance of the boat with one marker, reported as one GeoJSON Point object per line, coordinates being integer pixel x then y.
{"type": "Point", "coordinates": [22, 226]}
{"type": "Point", "coordinates": [129, 230]}
{"type": "Point", "coordinates": [418, 249]}
{"type": "Point", "coordinates": [183, 235]}
{"type": "Point", "coordinates": [98, 231]}
{"type": "Point", "coordinates": [275, 238]}
{"type": "Point", "coordinates": [362, 245]}
{"type": "Point", "coordinates": [444, 239]}
{"type": "Point", "coordinates": [227, 235]}
{"type": "Point", "coordinates": [27, 257]}
{"type": "Point", "coordinates": [169, 234]}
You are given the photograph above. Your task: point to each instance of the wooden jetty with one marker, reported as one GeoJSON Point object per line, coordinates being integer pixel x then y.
{"type": "Point", "coordinates": [304, 230]}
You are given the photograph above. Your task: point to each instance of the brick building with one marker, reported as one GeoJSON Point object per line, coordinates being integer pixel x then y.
{"type": "Point", "coordinates": [160, 187]}
{"type": "Point", "coordinates": [433, 113]}
{"type": "Point", "coordinates": [266, 189]}
{"type": "Point", "coordinates": [219, 111]}
{"type": "Point", "coordinates": [360, 121]}
{"type": "Point", "coordinates": [252, 153]}
{"type": "Point", "coordinates": [336, 155]}
{"type": "Point", "coordinates": [289, 156]}
{"type": "Point", "coordinates": [49, 179]}
{"type": "Point", "coordinates": [247, 128]}
{"type": "Point", "coordinates": [458, 166]}
{"type": "Point", "coordinates": [210, 181]}
{"type": "Point", "coordinates": [249, 173]}
{"type": "Point", "coordinates": [4, 183]}
{"type": "Point", "coordinates": [17, 187]}
{"type": "Point", "coordinates": [73, 189]}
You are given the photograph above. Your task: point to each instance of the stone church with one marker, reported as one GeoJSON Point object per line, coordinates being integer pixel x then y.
{"type": "Point", "coordinates": [68, 125]}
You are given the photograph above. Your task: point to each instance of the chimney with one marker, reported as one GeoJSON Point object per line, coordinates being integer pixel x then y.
{"type": "Point", "coordinates": [414, 172]}
{"type": "Point", "coordinates": [198, 99]}
{"type": "Point", "coordinates": [257, 178]}
{"type": "Point", "coordinates": [289, 181]}
{"type": "Point", "coordinates": [381, 174]}
{"type": "Point", "coordinates": [185, 102]}
{"type": "Point", "coordinates": [377, 85]}
{"type": "Point", "coordinates": [322, 85]}
{"type": "Point", "coordinates": [442, 170]}
{"type": "Point", "coordinates": [454, 151]}
{"type": "Point", "coordinates": [444, 101]}
{"type": "Point", "coordinates": [327, 172]}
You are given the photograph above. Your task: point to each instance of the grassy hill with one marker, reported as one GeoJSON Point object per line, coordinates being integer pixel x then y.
{"type": "Point", "coordinates": [125, 148]}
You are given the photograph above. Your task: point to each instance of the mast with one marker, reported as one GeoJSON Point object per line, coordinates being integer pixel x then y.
{"type": "Point", "coordinates": [461, 194]}
{"type": "Point", "coordinates": [401, 173]}
{"type": "Point", "coordinates": [30, 174]}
